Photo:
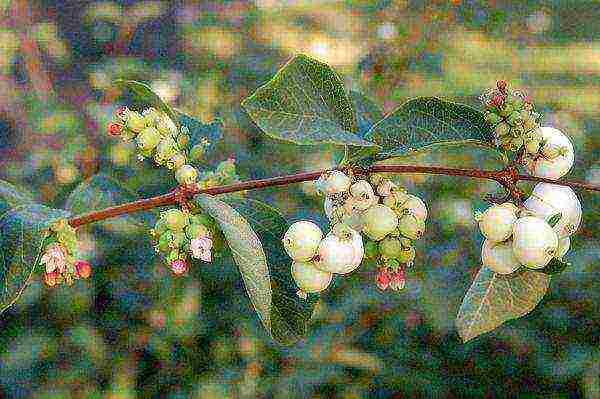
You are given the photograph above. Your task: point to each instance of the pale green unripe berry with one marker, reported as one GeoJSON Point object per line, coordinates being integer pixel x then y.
{"type": "Point", "coordinates": [341, 251]}
{"type": "Point", "coordinates": [197, 152]}
{"type": "Point", "coordinates": [166, 126]}
{"type": "Point", "coordinates": [547, 200]}
{"type": "Point", "coordinates": [164, 241]}
{"type": "Point", "coordinates": [499, 257]}
{"type": "Point", "coordinates": [496, 223]}
{"type": "Point", "coordinates": [135, 122]}
{"type": "Point", "coordinates": [379, 220]}
{"type": "Point", "coordinates": [557, 155]}
{"type": "Point", "coordinates": [411, 227]}
{"type": "Point", "coordinates": [301, 240]}
{"type": "Point", "coordinates": [165, 150]}
{"type": "Point", "coordinates": [186, 175]}
{"type": "Point", "coordinates": [175, 219]}
{"type": "Point", "coordinates": [390, 248]}
{"type": "Point", "coordinates": [532, 146]}
{"type": "Point", "coordinates": [407, 255]}
{"type": "Point", "coordinates": [196, 230]}
{"type": "Point", "coordinates": [310, 279]}
{"type": "Point", "coordinates": [416, 206]}
{"type": "Point", "coordinates": [176, 161]}
{"type": "Point", "coordinates": [333, 182]}
{"type": "Point", "coordinates": [502, 129]}
{"type": "Point", "coordinates": [363, 195]}
{"type": "Point", "coordinates": [564, 244]}
{"type": "Point", "coordinates": [534, 242]}
{"type": "Point", "coordinates": [148, 139]}
{"type": "Point", "coordinates": [151, 116]}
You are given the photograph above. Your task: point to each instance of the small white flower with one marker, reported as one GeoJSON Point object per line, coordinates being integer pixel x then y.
{"type": "Point", "coordinates": [54, 258]}
{"type": "Point", "coordinates": [201, 248]}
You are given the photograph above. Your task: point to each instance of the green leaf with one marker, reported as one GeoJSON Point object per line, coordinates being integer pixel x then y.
{"type": "Point", "coordinates": [247, 253]}
{"type": "Point", "coordinates": [22, 233]}
{"type": "Point", "coordinates": [147, 95]}
{"type": "Point", "coordinates": [290, 315]}
{"type": "Point", "coordinates": [494, 299]}
{"type": "Point", "coordinates": [11, 196]}
{"type": "Point", "coordinates": [102, 191]}
{"type": "Point", "coordinates": [198, 131]}
{"type": "Point", "coordinates": [305, 103]}
{"type": "Point", "coordinates": [427, 121]}
{"type": "Point", "coordinates": [555, 266]}
{"type": "Point", "coordinates": [367, 112]}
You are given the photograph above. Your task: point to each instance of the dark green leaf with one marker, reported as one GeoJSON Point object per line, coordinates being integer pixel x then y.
{"type": "Point", "coordinates": [290, 315]}
{"type": "Point", "coordinates": [555, 266]}
{"type": "Point", "coordinates": [198, 131]}
{"type": "Point", "coordinates": [494, 299]}
{"type": "Point", "coordinates": [305, 103]}
{"type": "Point", "coordinates": [427, 121]}
{"type": "Point", "coordinates": [247, 253]}
{"type": "Point", "coordinates": [11, 196]}
{"type": "Point", "coordinates": [22, 233]}
{"type": "Point", "coordinates": [102, 191]}
{"type": "Point", "coordinates": [147, 95]}
{"type": "Point", "coordinates": [367, 112]}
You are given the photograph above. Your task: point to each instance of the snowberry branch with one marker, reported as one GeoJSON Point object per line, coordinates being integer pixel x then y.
{"type": "Point", "coordinates": [506, 177]}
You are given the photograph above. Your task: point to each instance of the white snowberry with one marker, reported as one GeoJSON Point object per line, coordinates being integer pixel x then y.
{"type": "Point", "coordinates": [333, 182]}
{"type": "Point", "coordinates": [416, 206]}
{"type": "Point", "coordinates": [499, 257]}
{"type": "Point", "coordinates": [557, 155]}
{"type": "Point", "coordinates": [379, 221]}
{"type": "Point", "coordinates": [563, 247]}
{"type": "Point", "coordinates": [496, 223]}
{"type": "Point", "coordinates": [341, 251]}
{"type": "Point", "coordinates": [535, 243]}
{"type": "Point", "coordinates": [310, 279]}
{"type": "Point", "coordinates": [547, 200]}
{"type": "Point", "coordinates": [363, 195]}
{"type": "Point", "coordinates": [411, 227]}
{"type": "Point", "coordinates": [302, 239]}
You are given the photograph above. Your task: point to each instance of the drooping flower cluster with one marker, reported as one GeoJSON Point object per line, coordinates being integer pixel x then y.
{"type": "Point", "coordinates": [158, 137]}
{"type": "Point", "coordinates": [545, 151]}
{"type": "Point", "coordinates": [533, 235]}
{"type": "Point", "coordinates": [60, 254]}
{"type": "Point", "coordinates": [179, 234]}
{"type": "Point", "coordinates": [387, 216]}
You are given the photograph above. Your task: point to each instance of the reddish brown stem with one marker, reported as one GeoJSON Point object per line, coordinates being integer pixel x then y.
{"type": "Point", "coordinates": [507, 178]}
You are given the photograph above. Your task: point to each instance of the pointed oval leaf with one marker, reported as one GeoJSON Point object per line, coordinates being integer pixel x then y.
{"type": "Point", "coordinates": [290, 315]}
{"type": "Point", "coordinates": [427, 121]}
{"type": "Point", "coordinates": [247, 253]}
{"type": "Point", "coordinates": [305, 103]}
{"type": "Point", "coordinates": [22, 233]}
{"type": "Point", "coordinates": [11, 196]}
{"type": "Point", "coordinates": [494, 299]}
{"type": "Point", "coordinates": [367, 112]}
{"type": "Point", "coordinates": [102, 191]}
{"type": "Point", "coordinates": [147, 95]}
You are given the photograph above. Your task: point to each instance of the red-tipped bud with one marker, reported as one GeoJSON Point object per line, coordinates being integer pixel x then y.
{"type": "Point", "coordinates": [398, 280]}
{"type": "Point", "coordinates": [114, 129]}
{"type": "Point", "coordinates": [497, 101]}
{"type": "Point", "coordinates": [51, 279]}
{"type": "Point", "coordinates": [384, 278]}
{"type": "Point", "coordinates": [179, 267]}
{"type": "Point", "coordinates": [502, 86]}
{"type": "Point", "coordinates": [83, 269]}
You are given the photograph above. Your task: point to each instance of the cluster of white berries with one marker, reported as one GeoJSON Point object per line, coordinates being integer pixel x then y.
{"type": "Point", "coordinates": [386, 215]}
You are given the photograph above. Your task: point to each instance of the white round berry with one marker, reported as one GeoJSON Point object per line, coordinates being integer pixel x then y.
{"type": "Point", "coordinates": [499, 257]}
{"type": "Point", "coordinates": [340, 252]}
{"type": "Point", "coordinates": [310, 279]}
{"type": "Point", "coordinates": [411, 227]}
{"type": "Point", "coordinates": [563, 247]}
{"type": "Point", "coordinates": [328, 207]}
{"type": "Point", "coordinates": [416, 206]}
{"type": "Point", "coordinates": [557, 155]}
{"type": "Point", "coordinates": [333, 182]}
{"type": "Point", "coordinates": [534, 242]}
{"type": "Point", "coordinates": [379, 221]}
{"type": "Point", "coordinates": [496, 223]}
{"type": "Point", "coordinates": [302, 239]}
{"type": "Point", "coordinates": [547, 200]}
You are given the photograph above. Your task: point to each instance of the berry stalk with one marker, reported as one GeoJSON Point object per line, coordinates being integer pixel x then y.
{"type": "Point", "coordinates": [507, 178]}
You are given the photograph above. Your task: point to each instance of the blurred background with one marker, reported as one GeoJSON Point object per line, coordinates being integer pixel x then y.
{"type": "Point", "coordinates": [133, 330]}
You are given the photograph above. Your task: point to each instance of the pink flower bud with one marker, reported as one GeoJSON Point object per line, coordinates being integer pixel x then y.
{"type": "Point", "coordinates": [83, 269]}
{"type": "Point", "coordinates": [179, 267]}
{"type": "Point", "coordinates": [114, 129]}
{"type": "Point", "coordinates": [497, 101]}
{"type": "Point", "coordinates": [51, 279]}
{"type": "Point", "coordinates": [383, 279]}
{"type": "Point", "coordinates": [398, 280]}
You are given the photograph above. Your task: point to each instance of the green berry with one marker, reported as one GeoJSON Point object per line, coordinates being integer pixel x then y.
{"type": "Point", "coordinates": [492, 118]}
{"type": "Point", "coordinates": [186, 175]}
{"type": "Point", "coordinates": [165, 150]}
{"type": "Point", "coordinates": [515, 119]}
{"type": "Point", "coordinates": [407, 254]}
{"type": "Point", "coordinates": [175, 219]}
{"type": "Point", "coordinates": [135, 122]}
{"type": "Point", "coordinates": [393, 264]}
{"type": "Point", "coordinates": [371, 249]}
{"type": "Point", "coordinates": [197, 152]}
{"type": "Point", "coordinates": [379, 221]}
{"type": "Point", "coordinates": [502, 130]}
{"type": "Point", "coordinates": [148, 139]}
{"type": "Point", "coordinates": [390, 248]}
{"type": "Point", "coordinates": [176, 161]}
{"type": "Point", "coordinates": [411, 227]}
{"type": "Point", "coordinates": [178, 240]}
{"type": "Point", "coordinates": [164, 242]}
{"type": "Point", "coordinates": [196, 230]}
{"type": "Point", "coordinates": [151, 117]}
{"type": "Point", "coordinates": [173, 256]}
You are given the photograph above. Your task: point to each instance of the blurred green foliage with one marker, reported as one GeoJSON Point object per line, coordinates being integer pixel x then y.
{"type": "Point", "coordinates": [135, 330]}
